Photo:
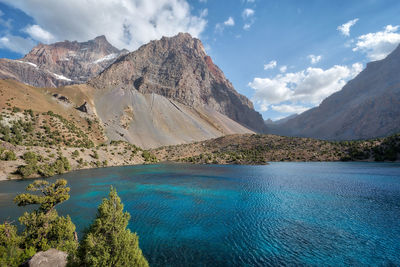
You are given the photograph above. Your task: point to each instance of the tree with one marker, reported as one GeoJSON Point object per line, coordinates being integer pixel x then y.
{"type": "Point", "coordinates": [107, 241]}
{"type": "Point", "coordinates": [44, 228]}
{"type": "Point", "coordinates": [10, 252]}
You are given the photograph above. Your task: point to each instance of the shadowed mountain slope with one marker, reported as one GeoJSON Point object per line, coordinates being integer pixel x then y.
{"type": "Point", "coordinates": [367, 107]}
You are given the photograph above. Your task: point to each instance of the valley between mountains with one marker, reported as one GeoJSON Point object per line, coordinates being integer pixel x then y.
{"type": "Point", "coordinates": [71, 105]}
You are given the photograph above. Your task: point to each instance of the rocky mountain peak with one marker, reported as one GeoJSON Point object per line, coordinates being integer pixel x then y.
{"type": "Point", "coordinates": [62, 63]}
{"type": "Point", "coordinates": [101, 39]}
{"type": "Point", "coordinates": [178, 68]}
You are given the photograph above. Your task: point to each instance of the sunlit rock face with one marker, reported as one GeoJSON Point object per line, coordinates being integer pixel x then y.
{"type": "Point", "coordinates": [178, 68]}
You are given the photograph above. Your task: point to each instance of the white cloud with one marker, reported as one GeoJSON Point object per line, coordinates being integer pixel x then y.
{"type": "Point", "coordinates": [37, 33]}
{"type": "Point", "coordinates": [248, 17]}
{"type": "Point", "coordinates": [248, 12]}
{"type": "Point", "coordinates": [305, 88]}
{"type": "Point", "coordinates": [16, 43]}
{"type": "Point", "coordinates": [247, 26]}
{"type": "Point", "coordinates": [219, 27]}
{"type": "Point", "coordinates": [345, 28]}
{"type": "Point", "coordinates": [229, 22]}
{"type": "Point", "coordinates": [283, 69]}
{"type": "Point", "coordinates": [314, 59]}
{"type": "Point", "coordinates": [204, 13]}
{"type": "Point", "coordinates": [378, 45]}
{"type": "Point", "coordinates": [271, 65]}
{"type": "Point", "coordinates": [126, 23]}
{"type": "Point", "coordinates": [284, 108]}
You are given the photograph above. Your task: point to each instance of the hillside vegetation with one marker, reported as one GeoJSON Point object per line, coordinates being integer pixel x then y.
{"type": "Point", "coordinates": [260, 149]}
{"type": "Point", "coordinates": [34, 144]}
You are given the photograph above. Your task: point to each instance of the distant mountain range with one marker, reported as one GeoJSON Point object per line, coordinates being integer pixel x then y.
{"type": "Point", "coordinates": [167, 92]}
{"type": "Point", "coordinates": [367, 107]}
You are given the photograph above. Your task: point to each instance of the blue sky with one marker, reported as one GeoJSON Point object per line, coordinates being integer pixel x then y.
{"type": "Point", "coordinates": [286, 56]}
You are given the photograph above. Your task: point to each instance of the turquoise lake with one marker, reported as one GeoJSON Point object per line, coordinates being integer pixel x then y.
{"type": "Point", "coordinates": [280, 214]}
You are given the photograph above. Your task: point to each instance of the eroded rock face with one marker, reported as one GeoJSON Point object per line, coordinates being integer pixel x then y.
{"type": "Point", "coordinates": [367, 107]}
{"type": "Point", "coordinates": [179, 69]}
{"type": "Point", "coordinates": [62, 63]}
{"type": "Point", "coordinates": [28, 73]}
{"type": "Point", "coordinates": [49, 258]}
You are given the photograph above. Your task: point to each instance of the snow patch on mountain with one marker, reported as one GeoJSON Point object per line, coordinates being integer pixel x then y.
{"type": "Point", "coordinates": [26, 62]}
{"type": "Point", "coordinates": [60, 77]}
{"type": "Point", "coordinates": [106, 58]}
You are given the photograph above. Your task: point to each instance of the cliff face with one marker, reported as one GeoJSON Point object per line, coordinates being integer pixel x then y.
{"type": "Point", "coordinates": [367, 107]}
{"type": "Point", "coordinates": [28, 73]}
{"type": "Point", "coordinates": [178, 68]}
{"type": "Point", "coordinates": [61, 63]}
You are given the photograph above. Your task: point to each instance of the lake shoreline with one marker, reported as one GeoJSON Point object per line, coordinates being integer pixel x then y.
{"type": "Point", "coordinates": [18, 177]}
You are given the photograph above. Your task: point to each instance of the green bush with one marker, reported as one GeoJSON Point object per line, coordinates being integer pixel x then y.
{"type": "Point", "coordinates": [9, 155]}
{"type": "Point", "coordinates": [30, 158]}
{"type": "Point", "coordinates": [27, 171]}
{"type": "Point", "coordinates": [75, 154]}
{"type": "Point", "coordinates": [148, 157]}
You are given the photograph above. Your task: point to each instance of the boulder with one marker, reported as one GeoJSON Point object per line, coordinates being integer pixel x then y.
{"type": "Point", "coordinates": [49, 258]}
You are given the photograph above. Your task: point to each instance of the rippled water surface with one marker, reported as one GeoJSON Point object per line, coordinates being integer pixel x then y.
{"type": "Point", "coordinates": [279, 214]}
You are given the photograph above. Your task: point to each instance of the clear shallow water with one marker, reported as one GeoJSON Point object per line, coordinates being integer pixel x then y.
{"type": "Point", "coordinates": [279, 214]}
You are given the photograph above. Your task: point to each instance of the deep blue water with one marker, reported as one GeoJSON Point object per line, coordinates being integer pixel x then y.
{"type": "Point", "coordinates": [279, 214]}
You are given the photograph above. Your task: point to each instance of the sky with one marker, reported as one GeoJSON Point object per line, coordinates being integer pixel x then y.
{"type": "Point", "coordinates": [284, 55]}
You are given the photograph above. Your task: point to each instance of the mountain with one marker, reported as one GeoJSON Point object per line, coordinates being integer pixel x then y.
{"type": "Point", "coordinates": [167, 92]}
{"type": "Point", "coordinates": [367, 107]}
{"type": "Point", "coordinates": [270, 122]}
{"type": "Point", "coordinates": [179, 69]}
{"type": "Point", "coordinates": [62, 63]}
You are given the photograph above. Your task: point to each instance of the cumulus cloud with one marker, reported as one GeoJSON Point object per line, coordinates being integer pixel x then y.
{"type": "Point", "coordinates": [126, 23]}
{"type": "Point", "coordinates": [283, 69]}
{"type": "Point", "coordinates": [304, 88]}
{"type": "Point", "coordinates": [345, 28]}
{"type": "Point", "coordinates": [248, 12]}
{"type": "Point", "coordinates": [37, 33]}
{"type": "Point", "coordinates": [229, 22]}
{"type": "Point", "coordinates": [248, 17]}
{"type": "Point", "coordinates": [314, 59]}
{"type": "Point", "coordinates": [219, 27]}
{"type": "Point", "coordinates": [378, 45]}
{"type": "Point", "coordinates": [271, 65]}
{"type": "Point", "coordinates": [16, 43]}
